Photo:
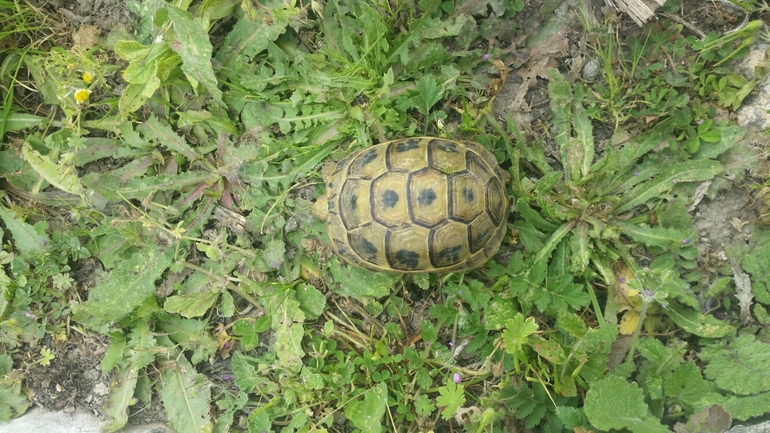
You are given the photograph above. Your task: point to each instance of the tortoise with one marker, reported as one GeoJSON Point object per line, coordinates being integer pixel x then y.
{"type": "Point", "coordinates": [420, 204]}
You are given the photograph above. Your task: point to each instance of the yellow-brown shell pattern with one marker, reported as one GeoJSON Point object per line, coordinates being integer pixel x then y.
{"type": "Point", "coordinates": [417, 205]}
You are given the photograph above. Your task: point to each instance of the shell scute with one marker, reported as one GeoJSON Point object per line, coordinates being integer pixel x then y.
{"type": "Point", "coordinates": [417, 205]}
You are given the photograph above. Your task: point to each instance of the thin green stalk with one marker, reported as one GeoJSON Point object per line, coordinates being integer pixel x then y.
{"type": "Point", "coordinates": [635, 338]}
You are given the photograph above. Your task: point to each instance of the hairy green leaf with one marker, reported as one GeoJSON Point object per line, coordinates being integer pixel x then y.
{"type": "Point", "coordinates": [62, 176]}
{"type": "Point", "coordinates": [185, 394]}
{"type": "Point", "coordinates": [428, 94]}
{"type": "Point", "coordinates": [120, 398]}
{"type": "Point", "coordinates": [190, 334]}
{"type": "Point", "coordinates": [668, 174]}
{"type": "Point", "coordinates": [26, 239]}
{"type": "Point", "coordinates": [699, 324]}
{"type": "Point", "coordinates": [366, 413]}
{"type": "Point", "coordinates": [452, 397]}
{"type": "Point", "coordinates": [195, 49]}
{"type": "Point", "coordinates": [360, 284]}
{"type": "Point", "coordinates": [251, 35]}
{"type": "Point", "coordinates": [739, 366]}
{"type": "Point", "coordinates": [249, 375]}
{"type": "Point", "coordinates": [613, 403]}
{"type": "Point", "coordinates": [129, 284]}
{"type": "Point", "coordinates": [517, 332]}
{"type": "Point", "coordinates": [654, 237]}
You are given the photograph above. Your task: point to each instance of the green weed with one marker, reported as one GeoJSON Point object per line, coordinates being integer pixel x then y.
{"type": "Point", "coordinates": [189, 192]}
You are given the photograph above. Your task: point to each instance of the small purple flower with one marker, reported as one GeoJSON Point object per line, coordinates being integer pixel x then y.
{"type": "Point", "coordinates": [451, 343]}
{"type": "Point", "coordinates": [485, 56]}
{"type": "Point", "coordinates": [686, 241]}
{"type": "Point", "coordinates": [30, 315]}
{"type": "Point", "coordinates": [636, 173]}
{"type": "Point", "coordinates": [648, 293]}
{"type": "Point", "coordinates": [622, 280]}
{"type": "Point", "coordinates": [699, 121]}
{"type": "Point", "coordinates": [226, 377]}
{"type": "Point", "coordinates": [456, 378]}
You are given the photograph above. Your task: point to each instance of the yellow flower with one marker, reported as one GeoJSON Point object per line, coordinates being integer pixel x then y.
{"type": "Point", "coordinates": [81, 95]}
{"type": "Point", "coordinates": [88, 77]}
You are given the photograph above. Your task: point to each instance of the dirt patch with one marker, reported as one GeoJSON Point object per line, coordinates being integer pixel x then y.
{"type": "Point", "coordinates": [104, 14]}
{"type": "Point", "coordinates": [722, 221]}
{"type": "Point", "coordinates": [73, 378]}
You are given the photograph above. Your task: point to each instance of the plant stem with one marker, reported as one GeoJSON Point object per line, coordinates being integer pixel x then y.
{"type": "Point", "coordinates": [635, 338]}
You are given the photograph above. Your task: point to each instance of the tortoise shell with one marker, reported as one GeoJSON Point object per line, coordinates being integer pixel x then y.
{"type": "Point", "coordinates": [416, 205]}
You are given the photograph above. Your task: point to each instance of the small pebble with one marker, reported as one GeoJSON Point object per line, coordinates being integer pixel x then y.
{"type": "Point", "coordinates": [591, 70]}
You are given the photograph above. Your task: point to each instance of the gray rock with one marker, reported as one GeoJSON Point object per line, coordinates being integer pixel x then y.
{"type": "Point", "coordinates": [759, 428]}
{"type": "Point", "coordinates": [41, 421]}
{"type": "Point", "coordinates": [754, 112]}
{"type": "Point", "coordinates": [590, 70]}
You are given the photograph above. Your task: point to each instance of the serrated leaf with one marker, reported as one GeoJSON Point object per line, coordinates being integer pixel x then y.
{"type": "Point", "coordinates": [653, 236]}
{"type": "Point", "coordinates": [699, 324]}
{"type": "Point", "coordinates": [119, 398]}
{"type": "Point", "coordinates": [190, 334]}
{"type": "Point", "coordinates": [560, 294]}
{"type": "Point", "coordinates": [129, 284]}
{"type": "Point", "coordinates": [163, 135]}
{"type": "Point", "coordinates": [613, 403]}
{"type": "Point", "coordinates": [668, 175]}
{"type": "Point", "coordinates": [551, 350]}
{"type": "Point", "coordinates": [12, 403]}
{"type": "Point", "coordinates": [146, 186]}
{"type": "Point", "coordinates": [741, 366]}
{"type": "Point", "coordinates": [582, 148]}
{"type": "Point", "coordinates": [742, 407]}
{"type": "Point", "coordinates": [534, 217]}
{"type": "Point", "coordinates": [428, 94]}
{"type": "Point", "coordinates": [580, 244]}
{"type": "Point", "coordinates": [311, 301]}
{"type": "Point", "coordinates": [572, 324]}
{"type": "Point", "coordinates": [249, 375]}
{"type": "Point", "coordinates": [685, 384]}
{"type": "Point", "coordinates": [190, 306]}
{"type": "Point", "coordinates": [757, 263]}
{"type": "Point", "coordinates": [452, 397]}
{"type": "Point", "coordinates": [288, 346]}
{"type": "Point", "coordinates": [275, 250]}
{"type": "Point", "coordinates": [517, 332]}
{"type": "Point", "coordinates": [62, 177]}
{"type": "Point", "coordinates": [19, 121]}
{"type": "Point", "coordinates": [251, 35]}
{"type": "Point", "coordinates": [653, 349]}
{"type": "Point", "coordinates": [143, 346]}
{"type": "Point", "coordinates": [114, 354]}
{"type": "Point", "coordinates": [135, 95]}
{"type": "Point", "coordinates": [185, 395]}
{"type": "Point", "coordinates": [196, 296]}
{"type": "Point", "coordinates": [195, 50]}
{"type": "Point", "coordinates": [26, 239]}
{"type": "Point", "coordinates": [366, 412]}
{"type": "Point", "coordinates": [530, 237]}
{"type": "Point", "coordinates": [360, 284]}
{"type": "Point", "coordinates": [618, 161]}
